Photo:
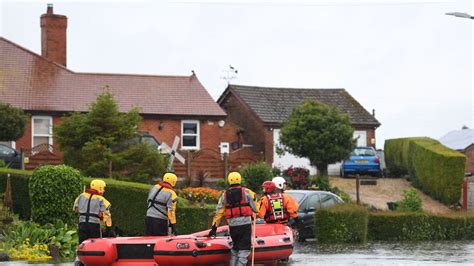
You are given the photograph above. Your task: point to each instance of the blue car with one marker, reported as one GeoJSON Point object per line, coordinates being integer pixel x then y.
{"type": "Point", "coordinates": [363, 161]}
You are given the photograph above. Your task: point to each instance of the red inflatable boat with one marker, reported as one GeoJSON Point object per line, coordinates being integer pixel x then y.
{"type": "Point", "coordinates": [273, 242]}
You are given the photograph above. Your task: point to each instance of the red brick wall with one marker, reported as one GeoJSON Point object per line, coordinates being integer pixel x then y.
{"type": "Point", "coordinates": [469, 152]}
{"type": "Point", "coordinates": [53, 36]}
{"type": "Point", "coordinates": [268, 145]}
{"type": "Point", "coordinates": [25, 142]}
{"type": "Point", "coordinates": [254, 131]}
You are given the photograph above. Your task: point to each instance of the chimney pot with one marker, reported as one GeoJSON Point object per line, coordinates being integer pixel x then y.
{"type": "Point", "coordinates": [50, 9]}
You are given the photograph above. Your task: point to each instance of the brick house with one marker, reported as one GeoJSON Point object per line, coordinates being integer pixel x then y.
{"type": "Point", "coordinates": [462, 141]}
{"type": "Point", "coordinates": [260, 112]}
{"type": "Point", "coordinates": [169, 105]}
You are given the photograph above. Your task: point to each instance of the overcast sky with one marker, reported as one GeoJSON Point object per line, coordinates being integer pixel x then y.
{"type": "Point", "coordinates": [405, 58]}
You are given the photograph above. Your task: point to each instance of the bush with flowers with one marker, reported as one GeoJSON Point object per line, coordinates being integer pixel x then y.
{"type": "Point", "coordinates": [200, 194]}
{"type": "Point", "coordinates": [297, 177]}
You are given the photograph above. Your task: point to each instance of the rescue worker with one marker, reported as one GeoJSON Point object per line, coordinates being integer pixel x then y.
{"type": "Point", "coordinates": [276, 207]}
{"type": "Point", "coordinates": [280, 184]}
{"type": "Point", "coordinates": [93, 208]}
{"type": "Point", "coordinates": [237, 204]}
{"type": "Point", "coordinates": [161, 211]}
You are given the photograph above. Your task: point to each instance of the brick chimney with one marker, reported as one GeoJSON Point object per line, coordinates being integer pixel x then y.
{"type": "Point", "coordinates": [53, 36]}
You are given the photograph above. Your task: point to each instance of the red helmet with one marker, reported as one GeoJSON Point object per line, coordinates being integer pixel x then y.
{"type": "Point", "coordinates": [268, 187]}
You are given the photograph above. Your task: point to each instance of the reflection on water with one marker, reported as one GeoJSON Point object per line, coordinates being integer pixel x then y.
{"type": "Point", "coordinates": [422, 253]}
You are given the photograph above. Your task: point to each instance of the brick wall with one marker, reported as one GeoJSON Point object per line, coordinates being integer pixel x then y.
{"type": "Point", "coordinates": [53, 36]}
{"type": "Point", "coordinates": [469, 152]}
{"type": "Point", "coordinates": [254, 131]}
{"type": "Point", "coordinates": [370, 134]}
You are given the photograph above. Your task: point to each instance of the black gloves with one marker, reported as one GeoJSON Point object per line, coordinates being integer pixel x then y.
{"type": "Point", "coordinates": [213, 231]}
{"type": "Point", "coordinates": [173, 229]}
{"type": "Point", "coordinates": [294, 222]}
{"type": "Point", "coordinates": [109, 232]}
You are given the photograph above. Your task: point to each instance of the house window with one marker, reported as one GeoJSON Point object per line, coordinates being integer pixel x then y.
{"type": "Point", "coordinates": [42, 130]}
{"type": "Point", "coordinates": [190, 134]}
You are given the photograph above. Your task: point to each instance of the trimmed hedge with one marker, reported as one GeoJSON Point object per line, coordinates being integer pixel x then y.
{"type": "Point", "coordinates": [435, 169]}
{"type": "Point", "coordinates": [128, 204]}
{"type": "Point", "coordinates": [397, 157]}
{"type": "Point", "coordinates": [438, 170]}
{"type": "Point", "coordinates": [395, 226]}
{"type": "Point", "coordinates": [20, 195]}
{"type": "Point", "coordinates": [343, 223]}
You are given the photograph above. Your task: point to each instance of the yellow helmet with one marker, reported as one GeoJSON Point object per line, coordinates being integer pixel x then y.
{"type": "Point", "coordinates": [98, 185]}
{"type": "Point", "coordinates": [170, 178]}
{"type": "Point", "coordinates": [234, 178]}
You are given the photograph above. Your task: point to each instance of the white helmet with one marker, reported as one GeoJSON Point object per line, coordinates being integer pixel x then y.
{"type": "Point", "coordinates": [279, 181]}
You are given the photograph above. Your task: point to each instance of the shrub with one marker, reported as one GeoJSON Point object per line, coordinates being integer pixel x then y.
{"type": "Point", "coordinates": [198, 194]}
{"type": "Point", "coordinates": [20, 191]}
{"type": "Point", "coordinates": [297, 176]}
{"type": "Point", "coordinates": [435, 169]}
{"type": "Point", "coordinates": [343, 223]}
{"type": "Point", "coordinates": [256, 174]}
{"type": "Point", "coordinates": [191, 220]}
{"type": "Point", "coordinates": [2, 163]}
{"type": "Point", "coordinates": [438, 170]}
{"type": "Point", "coordinates": [411, 202]}
{"type": "Point", "coordinates": [276, 171]}
{"type": "Point", "coordinates": [29, 240]}
{"type": "Point", "coordinates": [398, 226]}
{"type": "Point", "coordinates": [139, 163]}
{"type": "Point", "coordinates": [52, 191]}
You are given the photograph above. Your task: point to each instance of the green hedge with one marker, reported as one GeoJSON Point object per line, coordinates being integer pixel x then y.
{"type": "Point", "coordinates": [19, 183]}
{"type": "Point", "coordinates": [394, 226]}
{"type": "Point", "coordinates": [128, 204]}
{"type": "Point", "coordinates": [435, 169]}
{"type": "Point", "coordinates": [397, 157]}
{"type": "Point", "coordinates": [438, 170]}
{"type": "Point", "coordinates": [343, 223]}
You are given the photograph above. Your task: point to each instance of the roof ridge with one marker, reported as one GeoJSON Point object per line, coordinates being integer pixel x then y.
{"type": "Point", "coordinates": [128, 74]}
{"type": "Point", "coordinates": [285, 88]}
{"type": "Point", "coordinates": [35, 54]}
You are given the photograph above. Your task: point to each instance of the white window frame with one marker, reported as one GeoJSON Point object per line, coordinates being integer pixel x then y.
{"type": "Point", "coordinates": [50, 133]}
{"type": "Point", "coordinates": [198, 135]}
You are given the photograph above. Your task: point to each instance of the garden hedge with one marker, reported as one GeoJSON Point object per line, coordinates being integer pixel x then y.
{"type": "Point", "coordinates": [128, 204]}
{"type": "Point", "coordinates": [343, 223]}
{"type": "Point", "coordinates": [19, 183]}
{"type": "Point", "coordinates": [435, 169]}
{"type": "Point", "coordinates": [396, 226]}
{"type": "Point", "coordinates": [438, 170]}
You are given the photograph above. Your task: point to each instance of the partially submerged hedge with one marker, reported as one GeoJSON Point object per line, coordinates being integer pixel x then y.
{"type": "Point", "coordinates": [343, 223]}
{"type": "Point", "coordinates": [435, 169]}
{"type": "Point", "coordinates": [395, 226]}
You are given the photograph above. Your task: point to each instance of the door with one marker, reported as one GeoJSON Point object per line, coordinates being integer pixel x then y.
{"type": "Point", "coordinates": [361, 137]}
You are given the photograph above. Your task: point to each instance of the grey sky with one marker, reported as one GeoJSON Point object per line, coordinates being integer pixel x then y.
{"type": "Point", "coordinates": [408, 61]}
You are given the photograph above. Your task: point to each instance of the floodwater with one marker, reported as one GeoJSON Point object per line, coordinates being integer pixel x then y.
{"type": "Point", "coordinates": [419, 253]}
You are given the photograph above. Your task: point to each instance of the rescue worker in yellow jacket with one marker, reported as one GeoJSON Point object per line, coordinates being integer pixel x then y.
{"type": "Point", "coordinates": [161, 212]}
{"type": "Point", "coordinates": [93, 208]}
{"type": "Point", "coordinates": [237, 204]}
{"type": "Point", "coordinates": [276, 207]}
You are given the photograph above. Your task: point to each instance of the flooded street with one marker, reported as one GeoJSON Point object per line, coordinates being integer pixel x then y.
{"type": "Point", "coordinates": [423, 253]}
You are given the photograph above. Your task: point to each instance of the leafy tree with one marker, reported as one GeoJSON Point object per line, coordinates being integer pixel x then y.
{"type": "Point", "coordinates": [90, 141]}
{"type": "Point", "coordinates": [318, 132]}
{"type": "Point", "coordinates": [12, 122]}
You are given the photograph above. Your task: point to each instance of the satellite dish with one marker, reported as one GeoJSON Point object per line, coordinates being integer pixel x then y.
{"type": "Point", "coordinates": [173, 152]}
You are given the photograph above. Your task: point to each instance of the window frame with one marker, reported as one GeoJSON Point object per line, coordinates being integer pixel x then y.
{"type": "Point", "coordinates": [197, 134]}
{"type": "Point", "coordinates": [50, 130]}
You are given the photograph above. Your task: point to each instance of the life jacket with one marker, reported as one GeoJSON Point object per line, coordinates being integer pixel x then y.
{"type": "Point", "coordinates": [158, 202]}
{"type": "Point", "coordinates": [236, 206]}
{"type": "Point", "coordinates": [89, 207]}
{"type": "Point", "coordinates": [276, 213]}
